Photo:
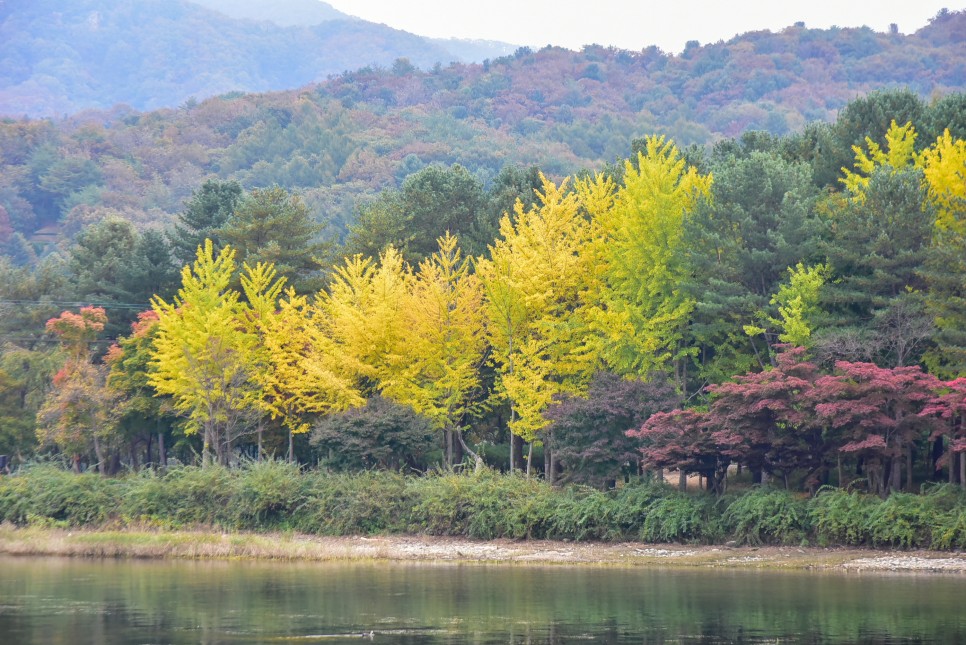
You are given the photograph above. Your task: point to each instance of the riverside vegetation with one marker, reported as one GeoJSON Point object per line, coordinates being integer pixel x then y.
{"type": "Point", "coordinates": [274, 496]}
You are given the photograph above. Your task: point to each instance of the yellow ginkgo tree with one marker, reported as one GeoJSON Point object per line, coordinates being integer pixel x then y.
{"type": "Point", "coordinates": [943, 165]}
{"type": "Point", "coordinates": [944, 168]}
{"type": "Point", "coordinates": [297, 371]}
{"type": "Point", "coordinates": [442, 344]}
{"type": "Point", "coordinates": [201, 354]}
{"type": "Point", "coordinates": [362, 315]}
{"type": "Point", "coordinates": [644, 308]}
{"type": "Point", "coordinates": [537, 303]}
{"type": "Point", "coordinates": [898, 153]}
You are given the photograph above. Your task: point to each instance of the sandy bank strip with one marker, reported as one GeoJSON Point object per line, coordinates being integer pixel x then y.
{"type": "Point", "coordinates": [284, 546]}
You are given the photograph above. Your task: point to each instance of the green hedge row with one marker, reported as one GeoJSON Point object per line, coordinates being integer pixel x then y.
{"type": "Point", "coordinates": [273, 496]}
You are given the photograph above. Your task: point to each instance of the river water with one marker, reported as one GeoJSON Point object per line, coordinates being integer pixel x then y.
{"type": "Point", "coordinates": [71, 601]}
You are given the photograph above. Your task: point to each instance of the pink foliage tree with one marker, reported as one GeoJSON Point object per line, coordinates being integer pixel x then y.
{"type": "Point", "coordinates": [683, 440]}
{"type": "Point", "coordinates": [948, 407]}
{"type": "Point", "coordinates": [766, 420]}
{"type": "Point", "coordinates": [874, 414]}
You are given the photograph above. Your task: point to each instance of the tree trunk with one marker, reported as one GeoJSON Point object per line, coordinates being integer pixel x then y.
{"type": "Point", "coordinates": [937, 454]}
{"type": "Point", "coordinates": [206, 449]}
{"type": "Point", "coordinates": [962, 469]}
{"type": "Point", "coordinates": [682, 480]}
{"type": "Point", "coordinates": [952, 466]}
{"type": "Point", "coordinates": [449, 448]}
{"type": "Point", "coordinates": [516, 452]}
{"type": "Point", "coordinates": [547, 461]}
{"type": "Point", "coordinates": [554, 466]}
{"type": "Point", "coordinates": [291, 447]}
{"type": "Point", "coordinates": [162, 452]}
{"type": "Point", "coordinates": [101, 463]}
{"type": "Point", "coordinates": [909, 482]}
{"type": "Point", "coordinates": [477, 460]}
{"type": "Point", "coordinates": [458, 452]}
{"type": "Point", "coordinates": [895, 479]}
{"type": "Point", "coordinates": [261, 430]}
{"type": "Point", "coordinates": [529, 460]}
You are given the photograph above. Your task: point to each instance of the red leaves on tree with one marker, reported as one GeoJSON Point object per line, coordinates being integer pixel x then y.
{"type": "Point", "coordinates": [949, 407]}
{"type": "Point", "coordinates": [765, 419]}
{"type": "Point", "coordinates": [682, 440]}
{"type": "Point", "coordinates": [146, 320]}
{"type": "Point", "coordinates": [790, 417]}
{"type": "Point", "coordinates": [77, 330]}
{"type": "Point", "coordinates": [875, 409]}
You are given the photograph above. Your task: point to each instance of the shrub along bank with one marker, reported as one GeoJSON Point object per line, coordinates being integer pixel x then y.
{"type": "Point", "coordinates": [274, 496]}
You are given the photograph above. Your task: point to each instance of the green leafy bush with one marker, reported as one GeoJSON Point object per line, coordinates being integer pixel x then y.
{"type": "Point", "coordinates": [841, 517]}
{"type": "Point", "coordinates": [679, 517]}
{"type": "Point", "coordinates": [53, 494]}
{"type": "Point", "coordinates": [353, 504]}
{"type": "Point", "coordinates": [768, 516]}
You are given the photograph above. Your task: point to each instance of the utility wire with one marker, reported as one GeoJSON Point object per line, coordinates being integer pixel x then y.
{"type": "Point", "coordinates": [76, 303]}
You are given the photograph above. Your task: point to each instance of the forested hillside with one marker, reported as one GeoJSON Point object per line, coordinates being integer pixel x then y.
{"type": "Point", "coordinates": [343, 141]}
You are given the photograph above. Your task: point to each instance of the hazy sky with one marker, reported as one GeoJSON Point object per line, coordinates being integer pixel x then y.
{"type": "Point", "coordinates": [634, 24]}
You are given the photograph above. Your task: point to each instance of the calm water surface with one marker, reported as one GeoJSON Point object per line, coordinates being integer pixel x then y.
{"type": "Point", "coordinates": [48, 600]}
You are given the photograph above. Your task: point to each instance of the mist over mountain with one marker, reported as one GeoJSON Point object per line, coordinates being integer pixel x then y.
{"type": "Point", "coordinates": [287, 13]}
{"type": "Point", "coordinates": [59, 58]}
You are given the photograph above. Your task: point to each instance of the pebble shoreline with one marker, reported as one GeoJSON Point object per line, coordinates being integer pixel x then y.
{"type": "Point", "coordinates": [130, 543]}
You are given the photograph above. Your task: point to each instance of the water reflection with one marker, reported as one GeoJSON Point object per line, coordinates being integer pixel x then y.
{"type": "Point", "coordinates": [84, 601]}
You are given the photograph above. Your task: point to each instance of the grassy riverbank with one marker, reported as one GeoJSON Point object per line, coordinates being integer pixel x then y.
{"type": "Point", "coordinates": [278, 498]}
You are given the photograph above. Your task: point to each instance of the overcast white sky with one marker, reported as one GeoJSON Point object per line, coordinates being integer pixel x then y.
{"type": "Point", "coordinates": [634, 24]}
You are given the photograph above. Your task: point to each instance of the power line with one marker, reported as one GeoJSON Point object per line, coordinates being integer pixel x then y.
{"type": "Point", "coordinates": [11, 339]}
{"type": "Point", "coordinates": [76, 303]}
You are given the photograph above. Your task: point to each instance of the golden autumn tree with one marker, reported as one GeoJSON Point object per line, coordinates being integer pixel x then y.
{"type": "Point", "coordinates": [899, 152]}
{"type": "Point", "coordinates": [442, 343]}
{"type": "Point", "coordinates": [536, 282]}
{"type": "Point", "coordinates": [202, 354]}
{"type": "Point", "coordinates": [644, 308]}
{"type": "Point", "coordinates": [295, 366]}
{"type": "Point", "coordinates": [362, 314]}
{"type": "Point", "coordinates": [943, 165]}
{"type": "Point", "coordinates": [944, 168]}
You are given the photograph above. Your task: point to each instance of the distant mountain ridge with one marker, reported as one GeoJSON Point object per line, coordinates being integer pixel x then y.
{"type": "Point", "coordinates": [60, 57]}
{"type": "Point", "coordinates": [287, 13]}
